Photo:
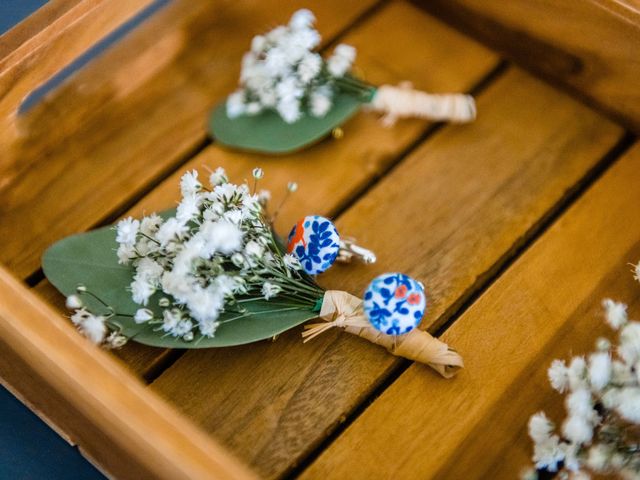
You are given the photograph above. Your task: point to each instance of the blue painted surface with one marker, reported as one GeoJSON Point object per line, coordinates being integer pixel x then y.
{"type": "Point", "coordinates": [29, 449]}
{"type": "Point", "coordinates": [12, 11]}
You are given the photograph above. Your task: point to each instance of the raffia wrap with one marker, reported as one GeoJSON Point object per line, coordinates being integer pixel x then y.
{"type": "Point", "coordinates": [403, 101]}
{"type": "Point", "coordinates": [343, 310]}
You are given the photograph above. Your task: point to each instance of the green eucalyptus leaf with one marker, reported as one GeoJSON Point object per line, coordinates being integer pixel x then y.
{"type": "Point", "coordinates": [90, 259]}
{"type": "Point", "coordinates": [268, 133]}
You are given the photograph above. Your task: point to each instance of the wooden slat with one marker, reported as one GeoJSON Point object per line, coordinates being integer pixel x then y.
{"type": "Point", "coordinates": [38, 22]}
{"type": "Point", "coordinates": [591, 46]}
{"type": "Point", "coordinates": [546, 306]}
{"type": "Point", "coordinates": [333, 172]}
{"type": "Point", "coordinates": [127, 118]}
{"type": "Point", "coordinates": [55, 46]}
{"type": "Point", "coordinates": [129, 431]}
{"type": "Point", "coordinates": [448, 215]}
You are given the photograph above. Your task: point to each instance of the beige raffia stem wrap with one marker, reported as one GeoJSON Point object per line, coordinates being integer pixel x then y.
{"type": "Point", "coordinates": [343, 310]}
{"type": "Point", "coordinates": [403, 101]}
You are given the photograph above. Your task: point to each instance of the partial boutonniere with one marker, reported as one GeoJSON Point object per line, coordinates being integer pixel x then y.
{"type": "Point", "coordinates": [213, 273]}
{"type": "Point", "coordinates": [601, 433]}
{"type": "Point", "coordinates": [290, 96]}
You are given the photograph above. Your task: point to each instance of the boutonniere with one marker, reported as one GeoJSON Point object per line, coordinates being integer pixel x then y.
{"type": "Point", "coordinates": [212, 273]}
{"type": "Point", "coordinates": [290, 96]}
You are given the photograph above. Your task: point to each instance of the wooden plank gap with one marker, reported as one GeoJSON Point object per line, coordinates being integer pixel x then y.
{"type": "Point", "coordinates": [536, 231]}
{"type": "Point", "coordinates": [475, 291]}
{"type": "Point", "coordinates": [430, 130]}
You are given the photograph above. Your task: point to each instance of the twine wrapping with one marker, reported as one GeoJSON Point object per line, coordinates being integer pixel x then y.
{"type": "Point", "coordinates": [403, 101]}
{"type": "Point", "coordinates": [340, 309]}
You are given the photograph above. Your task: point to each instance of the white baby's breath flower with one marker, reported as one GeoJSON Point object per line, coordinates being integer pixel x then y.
{"type": "Point", "coordinates": [79, 316]}
{"type": "Point", "coordinates": [253, 249]}
{"type": "Point", "coordinates": [115, 340]}
{"type": "Point", "coordinates": [73, 302]}
{"type": "Point", "coordinates": [149, 225]}
{"type": "Point", "coordinates": [236, 105]}
{"type": "Point", "coordinates": [94, 328]}
{"type": "Point", "coordinates": [579, 403]}
{"type": "Point", "coordinates": [125, 253]}
{"type": "Point", "coordinates": [292, 262]}
{"type": "Point", "coordinates": [149, 269]}
{"type": "Point", "coordinates": [571, 460]}
{"type": "Point", "coordinates": [218, 177]}
{"type": "Point", "coordinates": [141, 291]}
{"type": "Point", "coordinates": [292, 187]}
{"type": "Point", "coordinates": [548, 454]}
{"type": "Point", "coordinates": [257, 173]}
{"type": "Point", "coordinates": [171, 319]}
{"type": "Point", "coordinates": [189, 183]}
{"type": "Point", "coordinates": [540, 427]}
{"type": "Point", "coordinates": [277, 63]}
{"type": "Point", "coordinates": [188, 208]}
{"type": "Point", "coordinates": [258, 44]}
{"type": "Point", "coordinates": [629, 348]}
{"type": "Point", "coordinates": [264, 196]}
{"type": "Point", "coordinates": [558, 375]}
{"type": "Point", "coordinates": [341, 60]}
{"type": "Point", "coordinates": [289, 109]}
{"type": "Point", "coordinates": [183, 327]}
{"type": "Point", "coordinates": [170, 230]}
{"type": "Point", "coordinates": [143, 315]}
{"type": "Point", "coordinates": [616, 313]}
{"type": "Point", "coordinates": [127, 230]}
{"type": "Point", "coordinates": [603, 344]}
{"type": "Point", "coordinates": [629, 404]}
{"type": "Point", "coordinates": [208, 328]}
{"type": "Point", "coordinates": [577, 429]}
{"type": "Point", "coordinates": [577, 373]}
{"type": "Point", "coordinates": [225, 237]}
{"type": "Point", "coordinates": [238, 260]}
{"type": "Point", "coordinates": [270, 290]}
{"type": "Point", "coordinates": [205, 304]}
{"type": "Point", "coordinates": [636, 271]}
{"type": "Point", "coordinates": [320, 102]}
{"type": "Point", "coordinates": [598, 458]}
{"type": "Point", "coordinates": [622, 373]}
{"type": "Point", "coordinates": [302, 19]}
{"type": "Point", "coordinates": [599, 370]}
{"type": "Point", "coordinates": [309, 67]}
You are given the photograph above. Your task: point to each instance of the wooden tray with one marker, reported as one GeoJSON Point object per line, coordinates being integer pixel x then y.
{"type": "Point", "coordinates": [518, 224]}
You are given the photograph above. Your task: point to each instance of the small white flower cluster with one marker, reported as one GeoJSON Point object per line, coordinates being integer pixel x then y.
{"type": "Point", "coordinates": [94, 327]}
{"type": "Point", "coordinates": [603, 408]}
{"type": "Point", "coordinates": [283, 72]}
{"type": "Point", "coordinates": [204, 263]}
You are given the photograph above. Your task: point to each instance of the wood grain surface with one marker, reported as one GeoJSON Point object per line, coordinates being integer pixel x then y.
{"type": "Point", "coordinates": [448, 215]}
{"type": "Point", "coordinates": [132, 115]}
{"type": "Point", "coordinates": [130, 432]}
{"type": "Point", "coordinates": [459, 207]}
{"type": "Point", "coordinates": [53, 15]}
{"type": "Point", "coordinates": [546, 306]}
{"type": "Point", "coordinates": [54, 47]}
{"type": "Point", "coordinates": [332, 173]}
{"type": "Point", "coordinates": [589, 46]}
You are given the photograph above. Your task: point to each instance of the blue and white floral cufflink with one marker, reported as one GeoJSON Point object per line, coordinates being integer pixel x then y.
{"type": "Point", "coordinates": [394, 303]}
{"type": "Point", "coordinates": [315, 241]}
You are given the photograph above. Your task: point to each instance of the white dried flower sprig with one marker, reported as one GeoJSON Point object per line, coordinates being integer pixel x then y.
{"type": "Point", "coordinates": [216, 254]}
{"type": "Point", "coordinates": [282, 71]}
{"type": "Point", "coordinates": [601, 434]}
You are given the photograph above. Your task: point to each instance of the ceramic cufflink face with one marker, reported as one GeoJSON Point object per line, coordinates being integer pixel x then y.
{"type": "Point", "coordinates": [316, 243]}
{"type": "Point", "coordinates": [394, 303]}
